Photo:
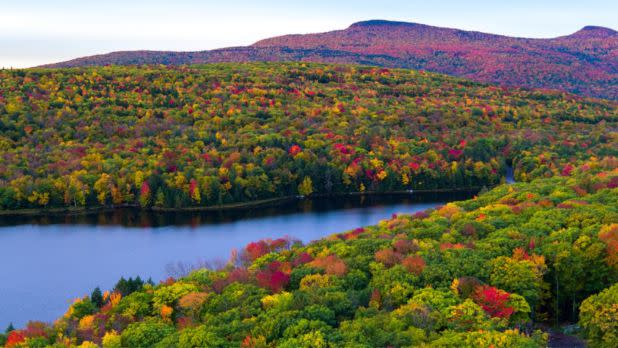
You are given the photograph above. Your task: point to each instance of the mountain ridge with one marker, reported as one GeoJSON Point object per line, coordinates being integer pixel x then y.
{"type": "Point", "coordinates": [584, 62]}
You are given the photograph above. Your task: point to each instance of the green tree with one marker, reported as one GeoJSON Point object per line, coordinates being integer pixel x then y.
{"type": "Point", "coordinates": [145, 334]}
{"type": "Point", "coordinates": [598, 316]}
{"type": "Point", "coordinates": [306, 187]}
{"type": "Point", "coordinates": [97, 297]}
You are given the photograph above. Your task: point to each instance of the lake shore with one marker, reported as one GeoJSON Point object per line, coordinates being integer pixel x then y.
{"type": "Point", "coordinates": [223, 207]}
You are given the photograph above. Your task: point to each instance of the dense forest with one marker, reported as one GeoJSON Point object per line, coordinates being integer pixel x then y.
{"type": "Point", "coordinates": [476, 273]}
{"type": "Point", "coordinates": [202, 136]}
{"type": "Point", "coordinates": [493, 271]}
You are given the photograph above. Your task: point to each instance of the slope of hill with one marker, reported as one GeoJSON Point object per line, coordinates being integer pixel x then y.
{"type": "Point", "coordinates": [585, 62]}
{"type": "Point", "coordinates": [173, 137]}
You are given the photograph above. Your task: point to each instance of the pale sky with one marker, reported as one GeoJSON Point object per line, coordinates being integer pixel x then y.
{"type": "Point", "coordinates": [34, 32]}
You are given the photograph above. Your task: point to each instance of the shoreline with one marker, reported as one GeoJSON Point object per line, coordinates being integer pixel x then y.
{"type": "Point", "coordinates": [34, 212]}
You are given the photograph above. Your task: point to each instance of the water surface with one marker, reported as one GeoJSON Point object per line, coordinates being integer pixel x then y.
{"type": "Point", "coordinates": [48, 261]}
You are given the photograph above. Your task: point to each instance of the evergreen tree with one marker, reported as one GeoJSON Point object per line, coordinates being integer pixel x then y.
{"type": "Point", "coordinates": [9, 328]}
{"type": "Point", "coordinates": [97, 297]}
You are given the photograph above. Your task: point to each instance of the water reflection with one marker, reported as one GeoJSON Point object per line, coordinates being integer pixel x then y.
{"type": "Point", "coordinates": [133, 217]}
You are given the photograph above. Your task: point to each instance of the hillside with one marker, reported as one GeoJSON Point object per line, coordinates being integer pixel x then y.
{"type": "Point", "coordinates": [478, 273]}
{"type": "Point", "coordinates": [585, 62]}
{"type": "Point", "coordinates": [204, 136]}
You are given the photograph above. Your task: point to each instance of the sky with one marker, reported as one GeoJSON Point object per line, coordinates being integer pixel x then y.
{"type": "Point", "coordinates": [34, 32]}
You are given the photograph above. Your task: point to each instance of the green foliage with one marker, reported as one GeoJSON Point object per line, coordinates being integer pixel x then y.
{"type": "Point", "coordinates": [128, 286]}
{"type": "Point", "coordinates": [97, 297]}
{"type": "Point", "coordinates": [168, 295]}
{"type": "Point", "coordinates": [145, 334]}
{"type": "Point", "coordinates": [599, 318]}
{"type": "Point", "coordinates": [82, 308]}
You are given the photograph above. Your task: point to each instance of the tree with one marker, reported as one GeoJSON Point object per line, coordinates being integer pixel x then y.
{"type": "Point", "coordinates": [306, 187]}
{"type": "Point", "coordinates": [145, 334]}
{"type": "Point", "coordinates": [144, 194]}
{"type": "Point", "coordinates": [598, 316]}
{"type": "Point", "coordinates": [97, 297]}
{"type": "Point", "coordinates": [494, 301]}
{"type": "Point", "coordinates": [9, 328]}
{"type": "Point", "coordinates": [523, 277]}
{"type": "Point", "coordinates": [194, 191]}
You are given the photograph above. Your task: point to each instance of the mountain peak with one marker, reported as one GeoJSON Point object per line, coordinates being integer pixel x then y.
{"type": "Point", "coordinates": [382, 23]}
{"type": "Point", "coordinates": [594, 31]}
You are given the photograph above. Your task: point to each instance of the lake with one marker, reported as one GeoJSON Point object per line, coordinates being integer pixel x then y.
{"type": "Point", "coordinates": [48, 261]}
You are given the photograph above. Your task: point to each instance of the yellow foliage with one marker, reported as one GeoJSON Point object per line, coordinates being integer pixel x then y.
{"type": "Point", "coordinates": [86, 322]}
{"type": "Point", "coordinates": [305, 188]}
{"type": "Point", "coordinates": [192, 300]}
{"type": "Point", "coordinates": [315, 281]}
{"type": "Point", "coordinates": [405, 179]}
{"type": "Point", "coordinates": [114, 299]}
{"type": "Point", "coordinates": [376, 163]}
{"type": "Point", "coordinates": [449, 210]}
{"type": "Point", "coordinates": [282, 299]}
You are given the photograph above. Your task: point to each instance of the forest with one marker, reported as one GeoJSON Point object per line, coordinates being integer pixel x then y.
{"type": "Point", "coordinates": [477, 273]}
{"type": "Point", "coordinates": [497, 270]}
{"type": "Point", "coordinates": [161, 137]}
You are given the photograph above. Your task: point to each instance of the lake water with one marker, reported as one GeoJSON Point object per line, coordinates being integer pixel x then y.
{"type": "Point", "coordinates": [46, 262]}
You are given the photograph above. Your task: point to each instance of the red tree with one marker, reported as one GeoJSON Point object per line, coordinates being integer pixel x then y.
{"type": "Point", "coordinates": [493, 301]}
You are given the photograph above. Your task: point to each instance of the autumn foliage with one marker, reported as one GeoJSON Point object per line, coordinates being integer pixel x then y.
{"type": "Point", "coordinates": [493, 301]}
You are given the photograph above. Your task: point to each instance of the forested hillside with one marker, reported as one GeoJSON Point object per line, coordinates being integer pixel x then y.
{"type": "Point", "coordinates": [585, 62]}
{"type": "Point", "coordinates": [198, 136]}
{"type": "Point", "coordinates": [477, 273]}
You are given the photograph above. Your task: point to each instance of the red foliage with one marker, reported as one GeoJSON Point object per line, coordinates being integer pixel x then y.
{"type": "Point", "coordinates": [192, 187]}
{"type": "Point", "coordinates": [302, 259]}
{"type": "Point", "coordinates": [455, 153]}
{"type": "Point", "coordinates": [295, 150]}
{"type": "Point", "coordinates": [168, 281]}
{"type": "Point", "coordinates": [272, 278]}
{"type": "Point", "coordinates": [353, 234]}
{"type": "Point", "coordinates": [493, 301]}
{"type": "Point", "coordinates": [145, 189]}
{"type": "Point", "coordinates": [331, 264]}
{"type": "Point", "coordinates": [520, 254]}
{"type": "Point", "coordinates": [420, 215]}
{"type": "Point", "coordinates": [405, 246]}
{"type": "Point", "coordinates": [15, 337]}
{"type": "Point", "coordinates": [531, 244]}
{"type": "Point", "coordinates": [35, 329]}
{"type": "Point", "coordinates": [448, 245]}
{"type": "Point", "coordinates": [566, 171]}
{"type": "Point", "coordinates": [388, 257]}
{"type": "Point", "coordinates": [254, 250]}
{"type": "Point", "coordinates": [414, 264]}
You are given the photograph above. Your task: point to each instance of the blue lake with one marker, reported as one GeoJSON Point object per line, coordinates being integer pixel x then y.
{"type": "Point", "coordinates": [47, 262]}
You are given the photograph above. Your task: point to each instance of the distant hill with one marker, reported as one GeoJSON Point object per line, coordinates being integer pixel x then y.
{"type": "Point", "coordinates": [585, 62]}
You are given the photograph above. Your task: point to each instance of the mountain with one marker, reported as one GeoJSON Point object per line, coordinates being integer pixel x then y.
{"type": "Point", "coordinates": [585, 62]}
